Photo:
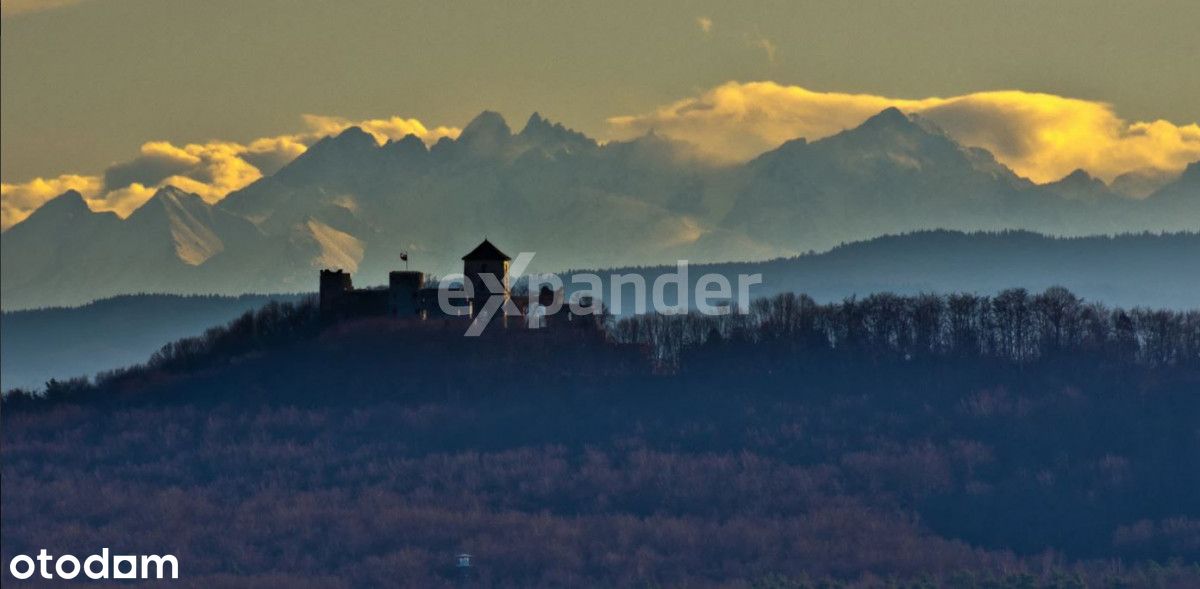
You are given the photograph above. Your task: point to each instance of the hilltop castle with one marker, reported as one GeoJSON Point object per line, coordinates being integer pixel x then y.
{"type": "Point", "coordinates": [408, 296]}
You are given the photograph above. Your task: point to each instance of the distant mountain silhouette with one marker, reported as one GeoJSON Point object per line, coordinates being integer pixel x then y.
{"type": "Point", "coordinates": [1178, 201]}
{"type": "Point", "coordinates": [53, 251]}
{"type": "Point", "coordinates": [1127, 270]}
{"type": "Point", "coordinates": [81, 341]}
{"type": "Point", "coordinates": [349, 202]}
{"type": "Point", "coordinates": [1079, 185]}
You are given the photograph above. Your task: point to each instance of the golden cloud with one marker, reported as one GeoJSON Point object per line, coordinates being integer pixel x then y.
{"type": "Point", "coordinates": [18, 200]}
{"type": "Point", "coordinates": [211, 170]}
{"type": "Point", "coordinates": [394, 128]}
{"type": "Point", "coordinates": [271, 153]}
{"type": "Point", "coordinates": [122, 201]}
{"type": "Point", "coordinates": [1040, 136]}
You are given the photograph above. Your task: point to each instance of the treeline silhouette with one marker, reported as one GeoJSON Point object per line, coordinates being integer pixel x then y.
{"type": "Point", "coordinates": [1014, 325]}
{"type": "Point", "coordinates": [1020, 440]}
{"type": "Point", "coordinates": [788, 329]}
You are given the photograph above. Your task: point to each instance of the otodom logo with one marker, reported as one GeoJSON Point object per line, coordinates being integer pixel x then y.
{"type": "Point", "coordinates": [96, 566]}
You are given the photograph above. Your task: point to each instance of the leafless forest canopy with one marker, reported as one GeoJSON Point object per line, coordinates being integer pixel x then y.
{"type": "Point", "coordinates": [1018, 440]}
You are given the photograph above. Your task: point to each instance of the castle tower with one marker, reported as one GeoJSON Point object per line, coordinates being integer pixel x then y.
{"type": "Point", "coordinates": [333, 287]}
{"type": "Point", "coordinates": [402, 293]}
{"type": "Point", "coordinates": [485, 259]}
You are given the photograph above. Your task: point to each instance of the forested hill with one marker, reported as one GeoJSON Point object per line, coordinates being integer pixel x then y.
{"type": "Point", "coordinates": [1150, 270]}
{"type": "Point", "coordinates": [1129, 270]}
{"type": "Point", "coordinates": [66, 342]}
{"type": "Point", "coordinates": [1020, 440]}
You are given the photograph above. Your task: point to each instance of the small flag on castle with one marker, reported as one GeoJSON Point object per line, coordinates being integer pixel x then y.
{"type": "Point", "coordinates": [404, 256]}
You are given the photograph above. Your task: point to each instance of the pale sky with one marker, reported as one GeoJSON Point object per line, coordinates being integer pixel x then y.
{"type": "Point", "coordinates": [85, 84]}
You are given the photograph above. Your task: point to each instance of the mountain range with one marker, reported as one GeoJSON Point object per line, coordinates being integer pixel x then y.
{"type": "Point", "coordinates": [349, 202]}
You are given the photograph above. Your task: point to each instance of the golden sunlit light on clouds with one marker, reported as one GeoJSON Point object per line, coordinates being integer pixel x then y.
{"type": "Point", "coordinates": [211, 170]}
{"type": "Point", "coordinates": [1040, 136]}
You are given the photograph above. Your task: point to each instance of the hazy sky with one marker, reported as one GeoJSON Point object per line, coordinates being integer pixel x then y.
{"type": "Point", "coordinates": [86, 83]}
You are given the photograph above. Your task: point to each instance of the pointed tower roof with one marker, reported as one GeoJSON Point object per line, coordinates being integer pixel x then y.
{"type": "Point", "coordinates": [486, 251]}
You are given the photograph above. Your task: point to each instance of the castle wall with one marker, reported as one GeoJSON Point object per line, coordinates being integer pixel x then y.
{"type": "Point", "coordinates": [403, 287]}
{"type": "Point", "coordinates": [371, 302]}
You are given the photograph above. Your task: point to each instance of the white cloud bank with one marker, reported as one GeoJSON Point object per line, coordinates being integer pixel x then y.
{"type": "Point", "coordinates": [1041, 136]}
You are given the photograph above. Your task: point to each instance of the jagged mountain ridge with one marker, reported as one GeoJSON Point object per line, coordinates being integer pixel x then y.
{"type": "Point", "coordinates": [350, 202]}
